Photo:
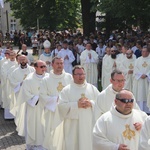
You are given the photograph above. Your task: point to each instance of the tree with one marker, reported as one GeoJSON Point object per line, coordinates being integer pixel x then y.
{"type": "Point", "coordinates": [52, 14]}
{"type": "Point", "coordinates": [124, 13]}
{"type": "Point", "coordinates": [88, 17]}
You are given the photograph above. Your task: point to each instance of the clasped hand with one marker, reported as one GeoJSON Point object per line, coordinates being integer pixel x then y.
{"type": "Point", "coordinates": [84, 103]}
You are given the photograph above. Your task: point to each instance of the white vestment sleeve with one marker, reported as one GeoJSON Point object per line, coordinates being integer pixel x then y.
{"type": "Point", "coordinates": [24, 93]}
{"type": "Point", "coordinates": [67, 108]}
{"type": "Point", "coordinates": [32, 102]}
{"type": "Point", "coordinates": [93, 60]}
{"type": "Point", "coordinates": [93, 104]}
{"type": "Point", "coordinates": [48, 101]}
{"type": "Point", "coordinates": [52, 103]}
{"type": "Point", "coordinates": [17, 88]}
{"type": "Point", "coordinates": [138, 76]}
{"type": "Point", "coordinates": [100, 141]}
{"type": "Point", "coordinates": [87, 60]}
{"type": "Point", "coordinates": [144, 142]}
{"type": "Point", "coordinates": [73, 111]}
{"type": "Point", "coordinates": [99, 108]}
{"type": "Point", "coordinates": [71, 57]}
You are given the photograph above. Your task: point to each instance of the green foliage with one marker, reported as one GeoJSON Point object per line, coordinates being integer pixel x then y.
{"type": "Point", "coordinates": [125, 12]}
{"type": "Point", "coordinates": [52, 14]}
{"type": "Point", "coordinates": [62, 14]}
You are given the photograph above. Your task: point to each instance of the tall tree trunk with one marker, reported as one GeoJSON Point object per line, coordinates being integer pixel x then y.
{"type": "Point", "coordinates": [92, 22]}
{"type": "Point", "coordinates": [108, 25]}
{"type": "Point", "coordinates": [88, 18]}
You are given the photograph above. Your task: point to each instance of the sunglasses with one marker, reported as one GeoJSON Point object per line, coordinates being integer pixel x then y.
{"type": "Point", "coordinates": [126, 100]}
{"type": "Point", "coordinates": [42, 66]}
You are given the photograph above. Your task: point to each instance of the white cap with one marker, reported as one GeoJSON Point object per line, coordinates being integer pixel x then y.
{"type": "Point", "coordinates": [46, 44]}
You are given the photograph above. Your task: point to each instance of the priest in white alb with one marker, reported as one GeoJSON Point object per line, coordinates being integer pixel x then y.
{"type": "Point", "coordinates": [122, 56]}
{"type": "Point", "coordinates": [127, 67]}
{"type": "Point", "coordinates": [106, 98]}
{"type": "Point", "coordinates": [31, 125]}
{"type": "Point", "coordinates": [1, 63]}
{"type": "Point", "coordinates": [51, 87]}
{"type": "Point", "coordinates": [119, 128]}
{"type": "Point", "coordinates": [68, 57]}
{"type": "Point", "coordinates": [108, 65]}
{"type": "Point", "coordinates": [89, 61]}
{"type": "Point", "coordinates": [76, 105]}
{"type": "Point", "coordinates": [16, 79]}
{"type": "Point", "coordinates": [9, 87]}
{"type": "Point", "coordinates": [5, 70]}
{"type": "Point", "coordinates": [141, 76]}
{"type": "Point", "coordinates": [144, 142]}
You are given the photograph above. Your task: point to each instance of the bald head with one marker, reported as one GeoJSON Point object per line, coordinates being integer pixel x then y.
{"type": "Point", "coordinates": [122, 93]}
{"type": "Point", "coordinates": [23, 57]}
{"type": "Point", "coordinates": [40, 67]}
{"type": "Point", "coordinates": [37, 62]}
{"type": "Point", "coordinates": [124, 102]}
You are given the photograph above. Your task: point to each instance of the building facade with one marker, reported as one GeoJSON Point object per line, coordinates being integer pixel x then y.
{"type": "Point", "coordinates": [7, 22]}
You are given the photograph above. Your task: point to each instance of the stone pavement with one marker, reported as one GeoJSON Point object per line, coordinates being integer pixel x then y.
{"type": "Point", "coordinates": [9, 139]}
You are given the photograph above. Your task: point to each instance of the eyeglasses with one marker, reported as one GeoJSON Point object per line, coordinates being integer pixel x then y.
{"type": "Point", "coordinates": [6, 53]}
{"type": "Point", "coordinates": [79, 74]}
{"type": "Point", "coordinates": [42, 66]}
{"type": "Point", "coordinates": [123, 100]}
{"type": "Point", "coordinates": [119, 81]}
{"type": "Point", "coordinates": [112, 51]}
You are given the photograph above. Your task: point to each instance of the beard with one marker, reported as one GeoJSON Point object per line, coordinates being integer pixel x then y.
{"type": "Point", "coordinates": [113, 56]}
{"type": "Point", "coordinates": [23, 64]}
{"type": "Point", "coordinates": [129, 57]}
{"type": "Point", "coordinates": [24, 53]}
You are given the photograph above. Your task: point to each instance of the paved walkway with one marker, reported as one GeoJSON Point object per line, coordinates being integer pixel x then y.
{"type": "Point", "coordinates": [9, 140]}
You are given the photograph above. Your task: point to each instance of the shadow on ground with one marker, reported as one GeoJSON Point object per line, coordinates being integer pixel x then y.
{"type": "Point", "coordinates": [8, 135]}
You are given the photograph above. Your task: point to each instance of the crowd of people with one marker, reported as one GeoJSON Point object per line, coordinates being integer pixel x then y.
{"type": "Point", "coordinates": [81, 93]}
